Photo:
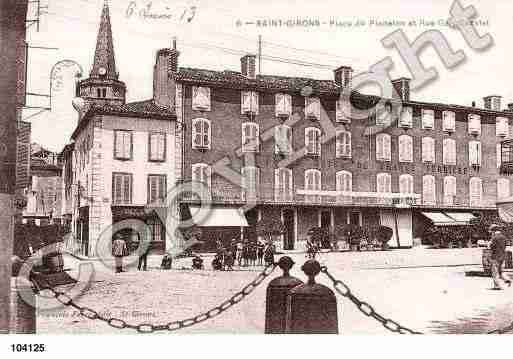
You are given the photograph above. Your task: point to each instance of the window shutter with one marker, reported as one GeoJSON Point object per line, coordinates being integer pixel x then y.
{"type": "Point", "coordinates": [127, 150]}
{"type": "Point", "coordinates": [499, 158]}
{"type": "Point", "coordinates": [347, 136]}
{"type": "Point", "coordinates": [309, 140]}
{"type": "Point", "coordinates": [288, 174]}
{"type": "Point", "coordinates": [153, 188]}
{"type": "Point", "coordinates": [387, 147]}
{"type": "Point", "coordinates": [162, 146]}
{"type": "Point", "coordinates": [119, 144]}
{"type": "Point", "coordinates": [503, 188]}
{"type": "Point", "coordinates": [254, 102]}
{"type": "Point", "coordinates": [379, 147]}
{"type": "Point", "coordinates": [206, 133]}
{"type": "Point", "coordinates": [118, 188]}
{"type": "Point", "coordinates": [246, 102]}
{"type": "Point", "coordinates": [402, 148]}
{"type": "Point", "coordinates": [127, 189]}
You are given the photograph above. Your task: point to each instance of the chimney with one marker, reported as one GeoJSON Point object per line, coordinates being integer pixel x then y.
{"type": "Point", "coordinates": [248, 66]}
{"type": "Point", "coordinates": [402, 88]}
{"type": "Point", "coordinates": [492, 102]}
{"type": "Point", "coordinates": [164, 85]}
{"type": "Point", "coordinates": [343, 76]}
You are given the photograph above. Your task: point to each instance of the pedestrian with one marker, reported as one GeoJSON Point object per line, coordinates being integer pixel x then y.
{"type": "Point", "coordinates": [260, 252]}
{"type": "Point", "coordinates": [269, 254]}
{"type": "Point", "coordinates": [253, 253]}
{"type": "Point", "coordinates": [119, 250]}
{"type": "Point", "coordinates": [245, 254]}
{"type": "Point", "coordinates": [238, 253]}
{"type": "Point", "coordinates": [167, 262]}
{"type": "Point", "coordinates": [229, 260]}
{"type": "Point", "coordinates": [498, 248]}
{"type": "Point", "coordinates": [143, 254]}
{"type": "Point", "coordinates": [197, 262]}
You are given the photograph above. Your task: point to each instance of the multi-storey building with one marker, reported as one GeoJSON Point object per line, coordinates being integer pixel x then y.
{"type": "Point", "coordinates": [304, 159]}
{"type": "Point", "coordinates": [122, 158]}
{"type": "Point", "coordinates": [279, 147]}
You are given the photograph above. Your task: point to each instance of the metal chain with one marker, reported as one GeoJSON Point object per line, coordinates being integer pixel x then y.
{"type": "Point", "coordinates": [365, 307]}
{"type": "Point", "coordinates": [505, 330]}
{"type": "Point", "coordinates": [171, 326]}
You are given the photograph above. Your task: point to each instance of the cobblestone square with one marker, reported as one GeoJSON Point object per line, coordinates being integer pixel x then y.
{"type": "Point", "coordinates": [423, 289]}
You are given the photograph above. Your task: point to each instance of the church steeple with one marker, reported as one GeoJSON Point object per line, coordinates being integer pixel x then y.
{"type": "Point", "coordinates": [104, 60]}
{"type": "Point", "coordinates": [103, 86]}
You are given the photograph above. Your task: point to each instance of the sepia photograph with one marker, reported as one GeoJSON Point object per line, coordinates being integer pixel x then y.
{"type": "Point", "coordinates": [245, 168]}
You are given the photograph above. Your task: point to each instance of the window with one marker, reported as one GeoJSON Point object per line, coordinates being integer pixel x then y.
{"type": "Point", "coordinates": [405, 148]}
{"type": "Point", "coordinates": [98, 93]}
{"type": "Point", "coordinates": [250, 182]}
{"type": "Point", "coordinates": [202, 172]}
{"type": "Point", "coordinates": [503, 188]}
{"type": "Point", "coordinates": [157, 229]}
{"type": "Point", "coordinates": [157, 144]}
{"type": "Point", "coordinates": [383, 183]}
{"type": "Point", "coordinates": [343, 146]}
{"type": "Point", "coordinates": [283, 185]}
{"type": "Point", "coordinates": [449, 190]}
{"type": "Point", "coordinates": [123, 145]}
{"type": "Point", "coordinates": [249, 102]}
{"type": "Point", "coordinates": [449, 151]}
{"type": "Point", "coordinates": [428, 190]}
{"type": "Point", "coordinates": [313, 141]}
{"type": "Point", "coordinates": [343, 111]}
{"type": "Point", "coordinates": [383, 115]}
{"type": "Point", "coordinates": [250, 137]}
{"type": "Point", "coordinates": [283, 105]}
{"type": "Point", "coordinates": [104, 93]}
{"type": "Point", "coordinates": [406, 183]}
{"type": "Point", "coordinates": [282, 139]}
{"type": "Point", "coordinates": [201, 133]}
{"type": "Point", "coordinates": [312, 183]}
{"type": "Point", "coordinates": [474, 153]}
{"type": "Point", "coordinates": [428, 149]}
{"type": "Point", "coordinates": [501, 126]}
{"type": "Point", "coordinates": [428, 119]}
{"type": "Point", "coordinates": [499, 155]}
{"type": "Point", "coordinates": [406, 119]}
{"type": "Point", "coordinates": [474, 124]}
{"type": "Point", "coordinates": [344, 183]}
{"type": "Point", "coordinates": [448, 121]}
{"type": "Point", "coordinates": [121, 188]}
{"type": "Point", "coordinates": [157, 188]}
{"type": "Point", "coordinates": [475, 191]}
{"type": "Point", "coordinates": [383, 151]}
{"type": "Point", "coordinates": [312, 108]}
{"type": "Point", "coordinates": [201, 98]}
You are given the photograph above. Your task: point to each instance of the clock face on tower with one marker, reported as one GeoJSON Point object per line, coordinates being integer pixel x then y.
{"type": "Point", "coordinates": [102, 71]}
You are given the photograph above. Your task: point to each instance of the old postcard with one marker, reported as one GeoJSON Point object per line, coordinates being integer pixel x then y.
{"type": "Point", "coordinates": [271, 167]}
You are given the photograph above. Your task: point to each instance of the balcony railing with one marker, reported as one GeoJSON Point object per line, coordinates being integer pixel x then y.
{"type": "Point", "coordinates": [268, 195]}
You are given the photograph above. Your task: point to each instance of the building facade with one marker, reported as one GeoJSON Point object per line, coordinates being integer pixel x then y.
{"type": "Point", "coordinates": [122, 157]}
{"type": "Point", "coordinates": [304, 159]}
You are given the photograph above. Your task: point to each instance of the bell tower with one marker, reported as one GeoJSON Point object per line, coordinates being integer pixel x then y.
{"type": "Point", "coordinates": [103, 86]}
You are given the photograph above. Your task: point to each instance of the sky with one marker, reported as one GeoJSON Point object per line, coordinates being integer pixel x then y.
{"type": "Point", "coordinates": [221, 32]}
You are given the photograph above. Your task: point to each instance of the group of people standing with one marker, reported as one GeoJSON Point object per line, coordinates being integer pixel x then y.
{"type": "Point", "coordinates": [243, 253]}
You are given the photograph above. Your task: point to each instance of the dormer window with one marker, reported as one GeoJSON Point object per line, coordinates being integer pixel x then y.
{"type": "Point", "coordinates": [428, 119]}
{"type": "Point", "coordinates": [312, 108]}
{"type": "Point", "coordinates": [501, 126]}
{"type": "Point", "coordinates": [249, 102]}
{"type": "Point", "coordinates": [406, 119]}
{"type": "Point", "coordinates": [283, 105]}
{"type": "Point", "coordinates": [448, 121]}
{"type": "Point", "coordinates": [474, 124]}
{"type": "Point", "coordinates": [201, 98]}
{"type": "Point", "coordinates": [343, 114]}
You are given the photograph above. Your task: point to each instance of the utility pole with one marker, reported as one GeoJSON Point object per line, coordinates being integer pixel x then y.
{"type": "Point", "coordinates": [13, 15]}
{"type": "Point", "coordinates": [260, 54]}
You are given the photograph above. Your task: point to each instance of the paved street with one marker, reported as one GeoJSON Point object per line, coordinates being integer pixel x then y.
{"type": "Point", "coordinates": [423, 289]}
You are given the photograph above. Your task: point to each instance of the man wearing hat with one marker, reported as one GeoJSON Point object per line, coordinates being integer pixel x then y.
{"type": "Point", "coordinates": [498, 248]}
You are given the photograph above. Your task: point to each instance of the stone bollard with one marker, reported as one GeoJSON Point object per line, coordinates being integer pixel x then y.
{"type": "Point", "coordinates": [276, 298]}
{"type": "Point", "coordinates": [23, 309]}
{"type": "Point", "coordinates": [311, 307]}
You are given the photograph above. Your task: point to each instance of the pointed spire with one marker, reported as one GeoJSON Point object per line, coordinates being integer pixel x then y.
{"type": "Point", "coordinates": [104, 54]}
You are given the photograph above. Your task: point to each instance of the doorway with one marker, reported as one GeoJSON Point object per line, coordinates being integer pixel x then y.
{"type": "Point", "coordinates": [289, 221]}
{"type": "Point", "coordinates": [355, 218]}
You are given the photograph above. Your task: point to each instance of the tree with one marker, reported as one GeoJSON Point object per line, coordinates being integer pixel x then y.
{"type": "Point", "coordinates": [352, 233]}
{"type": "Point", "coordinates": [269, 227]}
{"type": "Point", "coordinates": [382, 234]}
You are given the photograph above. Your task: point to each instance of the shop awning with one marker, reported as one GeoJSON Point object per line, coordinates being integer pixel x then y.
{"type": "Point", "coordinates": [439, 218]}
{"type": "Point", "coordinates": [462, 217]}
{"type": "Point", "coordinates": [449, 218]}
{"type": "Point", "coordinates": [221, 217]}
